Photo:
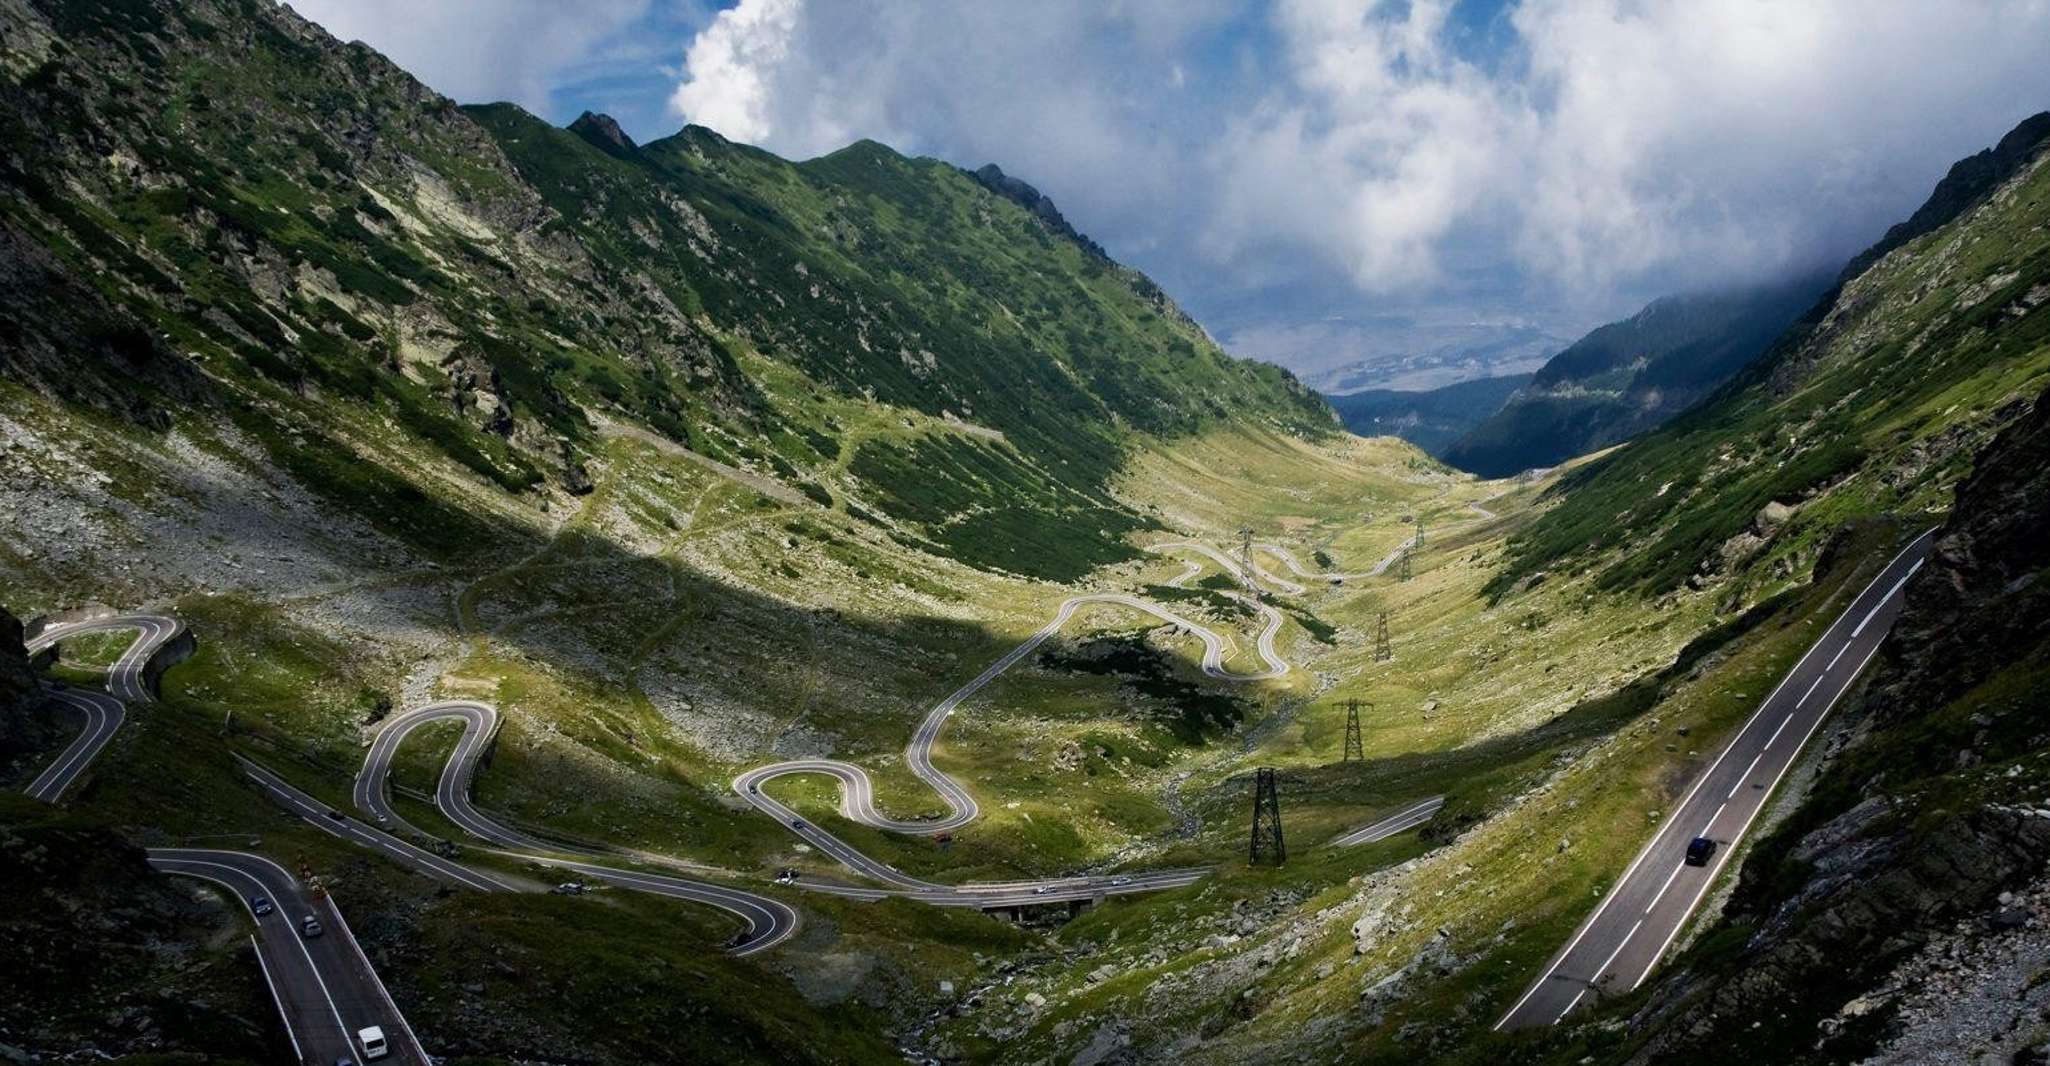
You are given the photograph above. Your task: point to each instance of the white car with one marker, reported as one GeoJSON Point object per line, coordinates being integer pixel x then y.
{"type": "Point", "coordinates": [372, 1040]}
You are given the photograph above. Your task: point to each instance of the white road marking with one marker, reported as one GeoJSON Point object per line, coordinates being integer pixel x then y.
{"type": "Point", "coordinates": [1662, 888]}
{"type": "Point", "coordinates": [1580, 934]}
{"type": "Point", "coordinates": [1724, 855]}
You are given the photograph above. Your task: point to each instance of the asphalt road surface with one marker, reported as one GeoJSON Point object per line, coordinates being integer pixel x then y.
{"type": "Point", "coordinates": [323, 986]}
{"type": "Point", "coordinates": [1618, 945]}
{"type": "Point", "coordinates": [857, 791]}
{"type": "Point", "coordinates": [1409, 817]}
{"type": "Point", "coordinates": [768, 921]}
{"type": "Point", "coordinates": [102, 713]}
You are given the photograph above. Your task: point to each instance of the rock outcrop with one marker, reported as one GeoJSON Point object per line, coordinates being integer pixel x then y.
{"type": "Point", "coordinates": [993, 178]}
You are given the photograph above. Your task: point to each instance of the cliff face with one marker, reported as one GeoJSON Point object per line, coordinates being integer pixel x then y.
{"type": "Point", "coordinates": [16, 680]}
{"type": "Point", "coordinates": [1921, 851]}
{"type": "Point", "coordinates": [20, 731]}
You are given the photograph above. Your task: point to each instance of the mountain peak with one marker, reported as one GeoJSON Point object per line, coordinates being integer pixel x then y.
{"type": "Point", "coordinates": [603, 131]}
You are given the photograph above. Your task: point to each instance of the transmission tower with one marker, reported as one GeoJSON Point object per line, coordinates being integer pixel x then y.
{"type": "Point", "coordinates": [1353, 748]}
{"type": "Point", "coordinates": [1267, 843]}
{"type": "Point", "coordinates": [1246, 557]}
{"type": "Point", "coordinates": [1383, 652]}
{"type": "Point", "coordinates": [1402, 564]}
{"type": "Point", "coordinates": [1419, 541]}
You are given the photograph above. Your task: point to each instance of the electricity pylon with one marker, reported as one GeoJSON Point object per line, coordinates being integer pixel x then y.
{"type": "Point", "coordinates": [1353, 748]}
{"type": "Point", "coordinates": [1246, 558]}
{"type": "Point", "coordinates": [1402, 564]}
{"type": "Point", "coordinates": [1382, 650]}
{"type": "Point", "coordinates": [1267, 842]}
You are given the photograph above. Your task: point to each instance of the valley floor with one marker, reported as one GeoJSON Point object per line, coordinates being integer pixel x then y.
{"type": "Point", "coordinates": [646, 643]}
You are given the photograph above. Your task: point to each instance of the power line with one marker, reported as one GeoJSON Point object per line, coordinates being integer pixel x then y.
{"type": "Point", "coordinates": [1353, 748]}
{"type": "Point", "coordinates": [1267, 842]}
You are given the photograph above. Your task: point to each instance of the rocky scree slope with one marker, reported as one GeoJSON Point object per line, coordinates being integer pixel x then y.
{"type": "Point", "coordinates": [1629, 376]}
{"type": "Point", "coordinates": [1876, 404]}
{"type": "Point", "coordinates": [1929, 830]}
{"type": "Point", "coordinates": [215, 210]}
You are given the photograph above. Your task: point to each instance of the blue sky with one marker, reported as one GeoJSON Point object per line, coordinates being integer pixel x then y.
{"type": "Point", "coordinates": [1334, 185]}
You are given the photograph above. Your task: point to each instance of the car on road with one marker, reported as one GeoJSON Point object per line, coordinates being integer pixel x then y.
{"type": "Point", "coordinates": [334, 814]}
{"type": "Point", "coordinates": [1699, 851]}
{"type": "Point", "coordinates": [756, 789]}
{"type": "Point", "coordinates": [1120, 880]}
{"type": "Point", "coordinates": [1042, 890]}
{"type": "Point", "coordinates": [261, 906]}
{"type": "Point", "coordinates": [786, 876]}
{"type": "Point", "coordinates": [797, 823]}
{"type": "Point", "coordinates": [570, 888]}
{"type": "Point", "coordinates": [310, 926]}
{"type": "Point", "coordinates": [373, 1042]}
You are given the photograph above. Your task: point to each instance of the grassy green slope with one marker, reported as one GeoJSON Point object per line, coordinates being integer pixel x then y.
{"type": "Point", "coordinates": [295, 226]}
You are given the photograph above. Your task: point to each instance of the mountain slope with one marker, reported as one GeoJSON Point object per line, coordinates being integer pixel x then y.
{"type": "Point", "coordinates": [227, 211]}
{"type": "Point", "coordinates": [1629, 376]}
{"type": "Point", "coordinates": [1876, 403]}
{"type": "Point", "coordinates": [1431, 420]}
{"type": "Point", "coordinates": [1920, 851]}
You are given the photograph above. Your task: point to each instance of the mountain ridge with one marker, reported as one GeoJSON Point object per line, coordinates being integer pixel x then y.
{"type": "Point", "coordinates": [1874, 401]}
{"type": "Point", "coordinates": [1630, 375]}
{"type": "Point", "coordinates": [486, 281]}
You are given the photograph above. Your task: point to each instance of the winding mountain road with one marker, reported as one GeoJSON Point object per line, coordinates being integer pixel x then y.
{"type": "Point", "coordinates": [324, 986]}
{"type": "Point", "coordinates": [102, 712]}
{"type": "Point", "coordinates": [857, 791]}
{"type": "Point", "coordinates": [768, 921]}
{"type": "Point", "coordinates": [1619, 944]}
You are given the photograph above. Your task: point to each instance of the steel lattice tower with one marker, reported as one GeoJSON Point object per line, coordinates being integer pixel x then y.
{"type": "Point", "coordinates": [1246, 558]}
{"type": "Point", "coordinates": [1267, 842]}
{"type": "Point", "coordinates": [1402, 564]}
{"type": "Point", "coordinates": [1383, 651]}
{"type": "Point", "coordinates": [1353, 748]}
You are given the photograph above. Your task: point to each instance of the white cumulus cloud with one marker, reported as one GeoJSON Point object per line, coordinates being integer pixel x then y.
{"type": "Point", "coordinates": [726, 87]}
{"type": "Point", "coordinates": [1282, 163]}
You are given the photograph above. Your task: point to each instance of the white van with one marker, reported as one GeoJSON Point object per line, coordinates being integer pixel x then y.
{"type": "Point", "coordinates": [373, 1043]}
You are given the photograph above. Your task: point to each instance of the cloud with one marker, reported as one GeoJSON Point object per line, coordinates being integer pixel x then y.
{"type": "Point", "coordinates": [1584, 152]}
{"type": "Point", "coordinates": [725, 88]}
{"type": "Point", "coordinates": [1273, 162]}
{"type": "Point", "coordinates": [518, 50]}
